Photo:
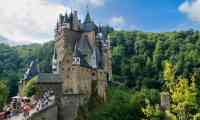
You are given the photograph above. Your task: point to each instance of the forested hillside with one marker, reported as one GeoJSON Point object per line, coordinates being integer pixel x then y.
{"type": "Point", "coordinates": [148, 64]}
{"type": "Point", "coordinates": [152, 64]}
{"type": "Point", "coordinates": [138, 57]}
{"type": "Point", "coordinates": [14, 62]}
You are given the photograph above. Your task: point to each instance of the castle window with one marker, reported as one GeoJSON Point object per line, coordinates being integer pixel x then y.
{"type": "Point", "coordinates": [86, 37]}
{"type": "Point", "coordinates": [68, 61]}
{"type": "Point", "coordinates": [67, 76]}
{"type": "Point", "coordinates": [93, 74]}
{"type": "Point", "coordinates": [76, 61]}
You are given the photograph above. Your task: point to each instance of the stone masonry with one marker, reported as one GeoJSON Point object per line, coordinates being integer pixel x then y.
{"type": "Point", "coordinates": [81, 66]}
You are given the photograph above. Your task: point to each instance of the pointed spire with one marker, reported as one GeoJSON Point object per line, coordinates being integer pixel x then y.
{"type": "Point", "coordinates": [71, 13]}
{"type": "Point", "coordinates": [66, 17]}
{"type": "Point", "coordinates": [76, 52]}
{"type": "Point", "coordinates": [57, 25]}
{"type": "Point", "coordinates": [87, 18]}
{"type": "Point", "coordinates": [61, 18]}
{"type": "Point", "coordinates": [66, 14]}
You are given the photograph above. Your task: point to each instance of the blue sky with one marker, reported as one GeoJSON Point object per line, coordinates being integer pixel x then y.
{"type": "Point", "coordinates": [145, 15]}
{"type": "Point", "coordinates": [30, 21]}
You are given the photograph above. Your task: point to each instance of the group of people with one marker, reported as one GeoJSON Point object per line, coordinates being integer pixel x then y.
{"type": "Point", "coordinates": [18, 105]}
{"type": "Point", "coordinates": [43, 102]}
{"type": "Point", "coordinates": [6, 114]}
{"type": "Point", "coordinates": [24, 106]}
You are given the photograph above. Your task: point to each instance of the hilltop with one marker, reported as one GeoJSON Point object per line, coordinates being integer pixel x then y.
{"type": "Point", "coordinates": [138, 60]}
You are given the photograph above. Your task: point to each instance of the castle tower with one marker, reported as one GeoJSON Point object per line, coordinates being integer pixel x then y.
{"type": "Point", "coordinates": [81, 65]}
{"type": "Point", "coordinates": [81, 54]}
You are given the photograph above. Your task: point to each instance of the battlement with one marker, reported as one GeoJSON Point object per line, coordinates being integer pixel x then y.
{"type": "Point", "coordinates": [68, 21]}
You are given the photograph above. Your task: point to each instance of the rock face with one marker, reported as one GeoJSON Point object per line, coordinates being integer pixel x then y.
{"type": "Point", "coordinates": [81, 67]}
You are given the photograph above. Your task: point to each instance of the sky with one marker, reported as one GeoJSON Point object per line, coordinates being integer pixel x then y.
{"type": "Point", "coordinates": [33, 21]}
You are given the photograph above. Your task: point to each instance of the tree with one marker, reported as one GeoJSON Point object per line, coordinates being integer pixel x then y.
{"type": "Point", "coordinates": [183, 94]}
{"type": "Point", "coordinates": [3, 93]}
{"type": "Point", "coordinates": [117, 107]}
{"type": "Point", "coordinates": [30, 88]}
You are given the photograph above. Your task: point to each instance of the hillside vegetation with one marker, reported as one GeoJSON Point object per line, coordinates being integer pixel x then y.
{"type": "Point", "coordinates": [148, 63]}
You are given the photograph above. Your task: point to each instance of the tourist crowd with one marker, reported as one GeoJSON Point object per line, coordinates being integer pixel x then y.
{"type": "Point", "coordinates": [25, 106]}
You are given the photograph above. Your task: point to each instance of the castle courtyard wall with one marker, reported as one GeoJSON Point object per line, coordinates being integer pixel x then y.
{"type": "Point", "coordinates": [49, 113]}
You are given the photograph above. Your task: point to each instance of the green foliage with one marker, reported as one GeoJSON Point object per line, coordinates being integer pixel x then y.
{"type": "Point", "coordinates": [183, 94]}
{"type": "Point", "coordinates": [153, 112]}
{"type": "Point", "coordinates": [14, 62]}
{"type": "Point", "coordinates": [3, 93]}
{"type": "Point", "coordinates": [30, 87]}
{"type": "Point", "coordinates": [116, 107]}
{"type": "Point", "coordinates": [142, 104]}
{"type": "Point", "coordinates": [122, 104]}
{"type": "Point", "coordinates": [197, 116]}
{"type": "Point", "coordinates": [169, 73]}
{"type": "Point", "coordinates": [170, 116]}
{"type": "Point", "coordinates": [45, 56]}
{"type": "Point", "coordinates": [138, 57]}
{"type": "Point", "coordinates": [140, 60]}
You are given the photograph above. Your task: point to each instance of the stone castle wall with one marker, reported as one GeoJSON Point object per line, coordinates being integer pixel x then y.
{"type": "Point", "coordinates": [76, 85]}
{"type": "Point", "coordinates": [69, 106]}
{"type": "Point", "coordinates": [50, 113]}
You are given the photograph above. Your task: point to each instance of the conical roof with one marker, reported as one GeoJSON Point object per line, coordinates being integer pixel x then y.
{"type": "Point", "coordinates": [87, 18]}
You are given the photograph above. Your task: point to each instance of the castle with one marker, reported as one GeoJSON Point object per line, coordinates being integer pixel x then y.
{"type": "Point", "coordinates": [81, 55]}
{"type": "Point", "coordinates": [81, 67]}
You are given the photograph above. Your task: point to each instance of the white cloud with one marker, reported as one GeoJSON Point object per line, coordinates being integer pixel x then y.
{"type": "Point", "coordinates": [30, 21]}
{"type": "Point", "coordinates": [27, 21]}
{"type": "Point", "coordinates": [117, 22]}
{"type": "Point", "coordinates": [191, 9]}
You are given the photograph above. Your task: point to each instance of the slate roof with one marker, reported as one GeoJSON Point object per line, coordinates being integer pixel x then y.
{"type": "Point", "coordinates": [88, 25]}
{"type": "Point", "coordinates": [31, 71]}
{"type": "Point", "coordinates": [83, 50]}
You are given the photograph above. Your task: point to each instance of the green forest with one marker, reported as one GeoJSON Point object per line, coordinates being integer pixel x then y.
{"type": "Point", "coordinates": [148, 64]}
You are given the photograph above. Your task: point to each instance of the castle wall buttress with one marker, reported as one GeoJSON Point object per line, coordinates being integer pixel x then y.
{"type": "Point", "coordinates": [81, 78]}
{"type": "Point", "coordinates": [67, 75]}
{"type": "Point", "coordinates": [101, 84]}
